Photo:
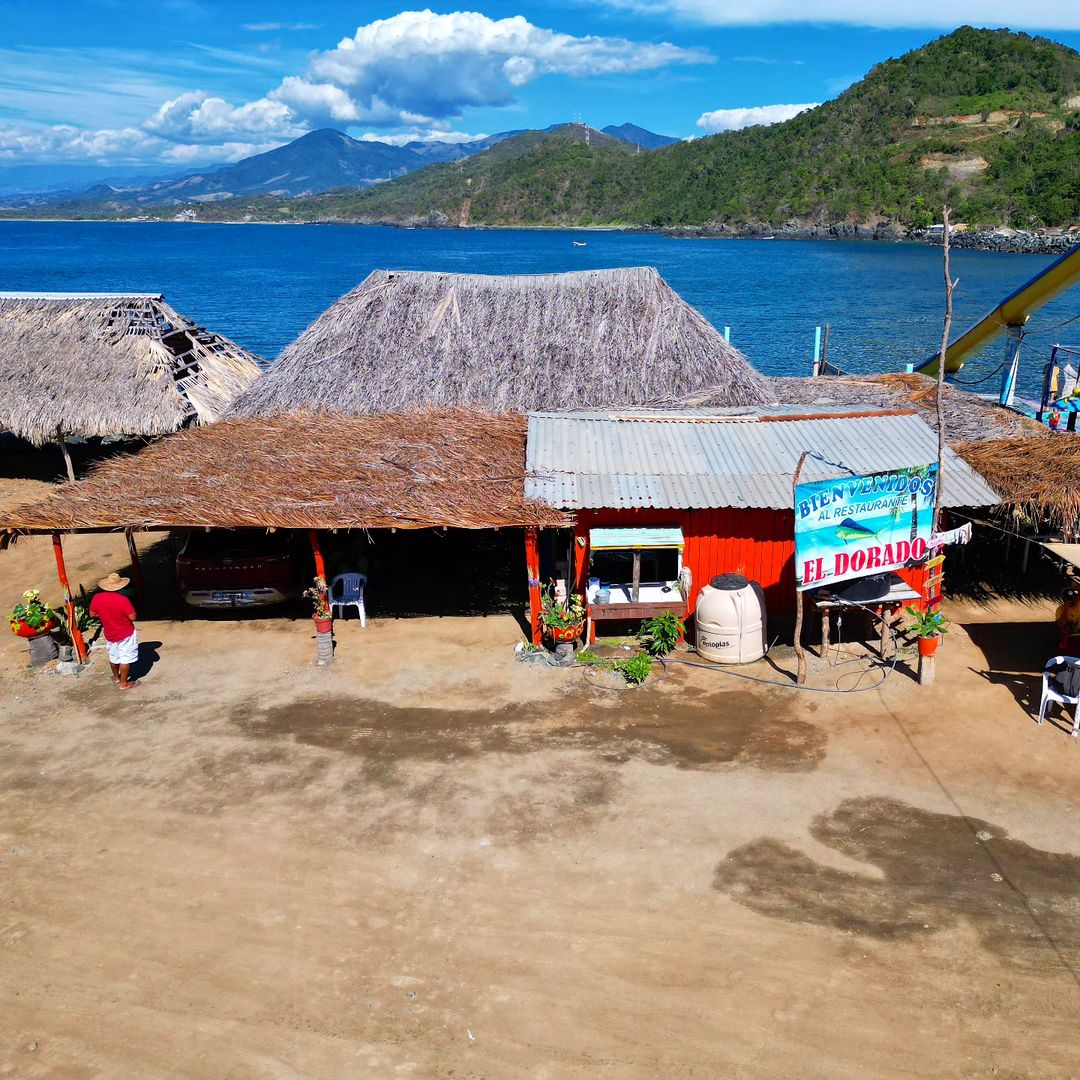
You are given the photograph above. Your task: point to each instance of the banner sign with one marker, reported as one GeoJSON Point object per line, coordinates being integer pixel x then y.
{"type": "Point", "coordinates": [860, 525]}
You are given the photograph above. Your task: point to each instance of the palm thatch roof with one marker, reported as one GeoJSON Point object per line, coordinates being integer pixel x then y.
{"type": "Point", "coordinates": [967, 417]}
{"type": "Point", "coordinates": [1038, 479]}
{"type": "Point", "coordinates": [455, 468]}
{"type": "Point", "coordinates": [111, 364]}
{"type": "Point", "coordinates": [405, 339]}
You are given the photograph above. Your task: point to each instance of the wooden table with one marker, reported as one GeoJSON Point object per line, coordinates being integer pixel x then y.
{"type": "Point", "coordinates": [629, 611]}
{"type": "Point", "coordinates": [884, 609]}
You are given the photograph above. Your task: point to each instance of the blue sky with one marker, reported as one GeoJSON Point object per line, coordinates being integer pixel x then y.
{"type": "Point", "coordinates": [184, 82]}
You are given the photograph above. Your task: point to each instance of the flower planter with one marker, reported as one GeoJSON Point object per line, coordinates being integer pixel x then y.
{"type": "Point", "coordinates": [928, 646]}
{"type": "Point", "coordinates": [561, 634]}
{"type": "Point", "coordinates": [22, 630]}
{"type": "Point", "coordinates": [322, 626]}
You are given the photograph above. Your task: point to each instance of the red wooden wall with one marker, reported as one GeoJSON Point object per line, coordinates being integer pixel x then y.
{"type": "Point", "coordinates": [759, 544]}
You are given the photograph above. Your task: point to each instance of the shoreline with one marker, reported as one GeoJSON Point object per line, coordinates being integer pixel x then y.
{"type": "Point", "coordinates": [1016, 243]}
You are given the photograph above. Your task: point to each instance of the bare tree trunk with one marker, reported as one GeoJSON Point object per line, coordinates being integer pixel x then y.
{"type": "Point", "coordinates": [67, 455]}
{"type": "Point", "coordinates": [950, 287]}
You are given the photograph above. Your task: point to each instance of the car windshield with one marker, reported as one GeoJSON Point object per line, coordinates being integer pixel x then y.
{"type": "Point", "coordinates": [236, 543]}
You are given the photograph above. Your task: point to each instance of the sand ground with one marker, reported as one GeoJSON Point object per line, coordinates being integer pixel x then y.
{"type": "Point", "coordinates": [432, 861]}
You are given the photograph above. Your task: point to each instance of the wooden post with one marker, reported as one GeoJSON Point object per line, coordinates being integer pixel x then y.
{"type": "Point", "coordinates": [69, 603]}
{"type": "Point", "coordinates": [532, 569]}
{"type": "Point", "coordinates": [635, 584]}
{"type": "Point", "coordinates": [800, 653]}
{"type": "Point", "coordinates": [136, 566]}
{"type": "Point", "coordinates": [927, 670]}
{"type": "Point", "coordinates": [950, 287]}
{"type": "Point", "coordinates": [67, 455]}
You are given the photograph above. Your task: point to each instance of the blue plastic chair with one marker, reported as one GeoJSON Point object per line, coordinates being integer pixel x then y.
{"type": "Point", "coordinates": [347, 590]}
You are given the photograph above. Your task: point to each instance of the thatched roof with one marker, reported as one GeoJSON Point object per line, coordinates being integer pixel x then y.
{"type": "Point", "coordinates": [1038, 479]}
{"type": "Point", "coordinates": [967, 417]}
{"type": "Point", "coordinates": [453, 468]}
{"type": "Point", "coordinates": [111, 364]}
{"type": "Point", "coordinates": [405, 339]}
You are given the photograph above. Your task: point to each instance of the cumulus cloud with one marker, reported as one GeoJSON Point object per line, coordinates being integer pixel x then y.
{"type": "Point", "coordinates": [416, 70]}
{"type": "Point", "coordinates": [420, 63]}
{"type": "Point", "coordinates": [885, 14]}
{"type": "Point", "coordinates": [734, 119]}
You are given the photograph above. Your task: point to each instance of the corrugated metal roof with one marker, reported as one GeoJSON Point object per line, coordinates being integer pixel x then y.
{"type": "Point", "coordinates": [710, 458]}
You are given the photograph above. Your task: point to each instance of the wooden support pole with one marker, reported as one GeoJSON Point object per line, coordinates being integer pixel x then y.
{"type": "Point", "coordinates": [927, 670]}
{"type": "Point", "coordinates": [67, 456]}
{"type": "Point", "coordinates": [532, 569]}
{"type": "Point", "coordinates": [69, 603]}
{"type": "Point", "coordinates": [800, 652]}
{"type": "Point", "coordinates": [136, 565]}
{"type": "Point", "coordinates": [635, 584]}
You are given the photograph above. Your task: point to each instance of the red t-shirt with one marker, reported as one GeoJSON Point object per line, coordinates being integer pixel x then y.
{"type": "Point", "coordinates": [114, 610]}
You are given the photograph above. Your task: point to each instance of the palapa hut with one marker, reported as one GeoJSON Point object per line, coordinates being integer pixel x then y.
{"type": "Point", "coordinates": [111, 364]}
{"type": "Point", "coordinates": [406, 339]}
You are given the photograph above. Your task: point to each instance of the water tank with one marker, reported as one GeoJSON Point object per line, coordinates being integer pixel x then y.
{"type": "Point", "coordinates": [730, 620]}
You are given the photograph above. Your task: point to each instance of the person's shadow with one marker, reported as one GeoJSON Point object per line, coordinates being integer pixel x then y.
{"type": "Point", "coordinates": [148, 657]}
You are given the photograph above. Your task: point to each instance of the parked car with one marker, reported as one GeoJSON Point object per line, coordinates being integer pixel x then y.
{"type": "Point", "coordinates": [241, 568]}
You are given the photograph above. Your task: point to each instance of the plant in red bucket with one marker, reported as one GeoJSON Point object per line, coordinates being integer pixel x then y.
{"type": "Point", "coordinates": [929, 627]}
{"type": "Point", "coordinates": [320, 601]}
{"type": "Point", "coordinates": [562, 619]}
{"type": "Point", "coordinates": [33, 616]}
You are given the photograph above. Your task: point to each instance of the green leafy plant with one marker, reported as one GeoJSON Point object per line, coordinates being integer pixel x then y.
{"type": "Point", "coordinates": [659, 635]}
{"type": "Point", "coordinates": [33, 611]}
{"type": "Point", "coordinates": [586, 656]}
{"type": "Point", "coordinates": [927, 624]}
{"type": "Point", "coordinates": [86, 623]}
{"type": "Point", "coordinates": [558, 614]}
{"type": "Point", "coordinates": [635, 669]}
{"type": "Point", "coordinates": [320, 599]}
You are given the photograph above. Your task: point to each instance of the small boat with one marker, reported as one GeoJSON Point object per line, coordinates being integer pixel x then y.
{"type": "Point", "coordinates": [578, 243]}
{"type": "Point", "coordinates": [768, 238]}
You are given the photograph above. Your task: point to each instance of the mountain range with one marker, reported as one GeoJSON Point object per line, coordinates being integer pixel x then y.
{"type": "Point", "coordinates": [316, 162]}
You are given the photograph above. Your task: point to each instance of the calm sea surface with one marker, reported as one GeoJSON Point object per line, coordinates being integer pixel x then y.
{"type": "Point", "coordinates": [263, 284]}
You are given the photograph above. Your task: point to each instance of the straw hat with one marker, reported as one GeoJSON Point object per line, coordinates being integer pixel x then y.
{"type": "Point", "coordinates": [113, 583]}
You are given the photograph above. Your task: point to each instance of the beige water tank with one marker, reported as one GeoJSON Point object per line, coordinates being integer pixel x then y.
{"type": "Point", "coordinates": [730, 620]}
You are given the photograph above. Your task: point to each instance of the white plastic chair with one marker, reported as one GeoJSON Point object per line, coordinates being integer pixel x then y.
{"type": "Point", "coordinates": [347, 590]}
{"type": "Point", "coordinates": [1049, 694]}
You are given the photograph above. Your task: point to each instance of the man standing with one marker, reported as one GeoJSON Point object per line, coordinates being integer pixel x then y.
{"type": "Point", "coordinates": [1067, 618]}
{"type": "Point", "coordinates": [117, 616]}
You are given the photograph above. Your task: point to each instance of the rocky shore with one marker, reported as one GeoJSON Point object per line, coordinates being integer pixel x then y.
{"type": "Point", "coordinates": [1017, 243]}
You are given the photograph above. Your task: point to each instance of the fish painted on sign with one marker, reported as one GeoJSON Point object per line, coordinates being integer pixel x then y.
{"type": "Point", "coordinates": [849, 531]}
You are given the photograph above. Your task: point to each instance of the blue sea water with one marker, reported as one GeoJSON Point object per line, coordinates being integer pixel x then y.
{"type": "Point", "coordinates": [263, 284]}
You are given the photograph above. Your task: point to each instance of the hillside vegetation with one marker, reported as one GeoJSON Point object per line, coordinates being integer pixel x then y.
{"type": "Point", "coordinates": [987, 119]}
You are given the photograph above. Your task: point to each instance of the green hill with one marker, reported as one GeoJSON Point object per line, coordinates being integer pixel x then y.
{"type": "Point", "coordinates": [987, 119]}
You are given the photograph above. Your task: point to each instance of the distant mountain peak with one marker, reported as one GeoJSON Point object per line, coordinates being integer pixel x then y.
{"type": "Point", "coordinates": [639, 136]}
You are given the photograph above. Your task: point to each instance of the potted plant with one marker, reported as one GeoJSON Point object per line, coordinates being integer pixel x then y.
{"type": "Point", "coordinates": [928, 627]}
{"type": "Point", "coordinates": [320, 601]}
{"type": "Point", "coordinates": [562, 619]}
{"type": "Point", "coordinates": [33, 616]}
{"type": "Point", "coordinates": [85, 623]}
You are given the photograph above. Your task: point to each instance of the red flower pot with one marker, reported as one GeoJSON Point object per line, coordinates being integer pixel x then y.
{"type": "Point", "coordinates": [565, 633]}
{"type": "Point", "coordinates": [322, 626]}
{"type": "Point", "coordinates": [928, 645]}
{"type": "Point", "coordinates": [25, 631]}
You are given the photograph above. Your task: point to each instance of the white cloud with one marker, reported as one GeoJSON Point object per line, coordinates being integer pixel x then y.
{"type": "Point", "coordinates": [432, 65]}
{"type": "Point", "coordinates": [416, 70]}
{"type": "Point", "coordinates": [887, 14]}
{"type": "Point", "coordinates": [198, 117]}
{"type": "Point", "coordinates": [734, 119]}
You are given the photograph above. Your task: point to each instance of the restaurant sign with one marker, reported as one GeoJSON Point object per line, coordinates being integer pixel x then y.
{"type": "Point", "coordinates": [860, 525]}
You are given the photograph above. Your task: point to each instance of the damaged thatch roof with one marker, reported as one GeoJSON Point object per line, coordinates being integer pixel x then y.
{"type": "Point", "coordinates": [111, 364]}
{"type": "Point", "coordinates": [454, 468]}
{"type": "Point", "coordinates": [405, 339]}
{"type": "Point", "coordinates": [967, 417]}
{"type": "Point", "coordinates": [1036, 478]}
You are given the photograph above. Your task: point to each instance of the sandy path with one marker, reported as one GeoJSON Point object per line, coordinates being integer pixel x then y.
{"type": "Point", "coordinates": [430, 861]}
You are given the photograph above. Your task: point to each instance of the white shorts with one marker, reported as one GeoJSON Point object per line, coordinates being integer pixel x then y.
{"type": "Point", "coordinates": [126, 651]}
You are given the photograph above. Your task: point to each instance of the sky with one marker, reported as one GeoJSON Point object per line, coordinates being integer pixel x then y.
{"type": "Point", "coordinates": [178, 83]}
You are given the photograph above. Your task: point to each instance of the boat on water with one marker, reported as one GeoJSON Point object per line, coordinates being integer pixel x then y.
{"type": "Point", "coordinates": [579, 243]}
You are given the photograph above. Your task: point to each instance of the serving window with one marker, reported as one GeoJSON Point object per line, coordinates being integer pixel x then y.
{"type": "Point", "coordinates": [634, 566]}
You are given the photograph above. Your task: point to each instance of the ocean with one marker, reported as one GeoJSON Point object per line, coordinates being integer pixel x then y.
{"type": "Point", "coordinates": [263, 284]}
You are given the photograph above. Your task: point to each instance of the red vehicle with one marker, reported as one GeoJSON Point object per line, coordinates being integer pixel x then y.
{"type": "Point", "coordinates": [234, 568]}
